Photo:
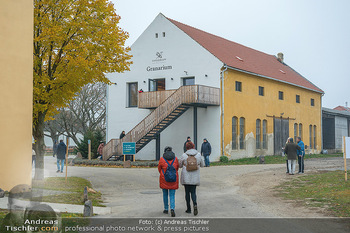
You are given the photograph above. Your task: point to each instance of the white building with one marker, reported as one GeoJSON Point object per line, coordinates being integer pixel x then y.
{"type": "Point", "coordinates": [245, 102]}
{"type": "Point", "coordinates": [165, 58]}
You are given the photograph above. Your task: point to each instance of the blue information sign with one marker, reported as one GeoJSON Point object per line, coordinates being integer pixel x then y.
{"type": "Point", "coordinates": [129, 148]}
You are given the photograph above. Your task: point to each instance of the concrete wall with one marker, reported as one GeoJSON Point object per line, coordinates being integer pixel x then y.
{"type": "Point", "coordinates": [16, 80]}
{"type": "Point", "coordinates": [183, 54]}
{"type": "Point", "coordinates": [341, 129]}
{"type": "Point", "coordinates": [251, 106]}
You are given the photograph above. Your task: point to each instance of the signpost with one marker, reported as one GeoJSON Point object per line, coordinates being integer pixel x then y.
{"type": "Point", "coordinates": [89, 149]}
{"type": "Point", "coordinates": [129, 148]}
{"type": "Point", "coordinates": [346, 150]}
{"type": "Point", "coordinates": [67, 158]}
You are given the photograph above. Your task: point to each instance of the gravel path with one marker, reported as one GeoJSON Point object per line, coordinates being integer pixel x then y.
{"type": "Point", "coordinates": [225, 191]}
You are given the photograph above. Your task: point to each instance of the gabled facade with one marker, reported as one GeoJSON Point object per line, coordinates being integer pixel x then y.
{"type": "Point", "coordinates": [172, 59]}
{"type": "Point", "coordinates": [243, 101]}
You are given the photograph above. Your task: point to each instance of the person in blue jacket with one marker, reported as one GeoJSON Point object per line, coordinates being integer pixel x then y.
{"type": "Point", "coordinates": [301, 154]}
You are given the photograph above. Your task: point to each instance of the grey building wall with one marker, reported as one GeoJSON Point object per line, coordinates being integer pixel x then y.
{"type": "Point", "coordinates": [341, 129]}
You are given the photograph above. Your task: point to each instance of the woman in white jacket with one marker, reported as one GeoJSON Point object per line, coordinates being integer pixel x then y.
{"type": "Point", "coordinates": [191, 179]}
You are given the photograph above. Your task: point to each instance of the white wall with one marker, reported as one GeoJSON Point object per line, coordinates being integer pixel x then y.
{"type": "Point", "coordinates": [183, 54]}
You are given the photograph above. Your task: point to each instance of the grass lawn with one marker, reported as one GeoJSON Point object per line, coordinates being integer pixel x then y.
{"type": "Point", "coordinates": [327, 189]}
{"type": "Point", "coordinates": [4, 212]}
{"type": "Point", "coordinates": [274, 159]}
{"type": "Point", "coordinates": [75, 187]}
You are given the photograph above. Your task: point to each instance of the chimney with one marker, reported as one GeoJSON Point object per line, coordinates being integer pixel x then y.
{"type": "Point", "coordinates": [280, 57]}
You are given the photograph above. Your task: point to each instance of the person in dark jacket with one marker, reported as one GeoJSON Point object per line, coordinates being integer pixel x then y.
{"type": "Point", "coordinates": [301, 154]}
{"type": "Point", "coordinates": [54, 148]}
{"type": "Point", "coordinates": [61, 155]}
{"type": "Point", "coordinates": [188, 140]}
{"type": "Point", "coordinates": [168, 188]}
{"type": "Point", "coordinates": [206, 151]}
{"type": "Point", "coordinates": [291, 149]}
{"type": "Point", "coordinates": [122, 134]}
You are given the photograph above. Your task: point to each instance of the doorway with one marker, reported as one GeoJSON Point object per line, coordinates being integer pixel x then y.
{"type": "Point", "coordinates": [281, 134]}
{"type": "Point", "coordinates": [132, 94]}
{"type": "Point", "coordinates": [156, 84]}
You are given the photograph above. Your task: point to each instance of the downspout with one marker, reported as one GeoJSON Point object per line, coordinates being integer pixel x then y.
{"type": "Point", "coordinates": [222, 109]}
{"type": "Point", "coordinates": [321, 127]}
{"type": "Point", "coordinates": [107, 97]}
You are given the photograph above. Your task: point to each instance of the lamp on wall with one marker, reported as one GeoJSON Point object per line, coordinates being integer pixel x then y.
{"type": "Point", "coordinates": [171, 79]}
{"type": "Point", "coordinates": [185, 72]}
{"type": "Point", "coordinates": [206, 75]}
{"type": "Point", "coordinates": [144, 81]}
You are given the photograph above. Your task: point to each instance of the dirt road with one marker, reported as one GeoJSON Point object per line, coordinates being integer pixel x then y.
{"type": "Point", "coordinates": [225, 191]}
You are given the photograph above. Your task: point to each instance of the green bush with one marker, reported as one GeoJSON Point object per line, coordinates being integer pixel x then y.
{"type": "Point", "coordinates": [223, 159]}
{"type": "Point", "coordinates": [96, 137]}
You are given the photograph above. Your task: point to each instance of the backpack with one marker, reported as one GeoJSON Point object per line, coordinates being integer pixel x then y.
{"type": "Point", "coordinates": [170, 173]}
{"type": "Point", "coordinates": [191, 163]}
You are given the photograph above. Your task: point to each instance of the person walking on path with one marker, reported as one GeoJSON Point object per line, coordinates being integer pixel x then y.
{"type": "Point", "coordinates": [206, 151]}
{"type": "Point", "coordinates": [291, 149]}
{"type": "Point", "coordinates": [190, 162]}
{"type": "Point", "coordinates": [188, 140]}
{"type": "Point", "coordinates": [100, 149]}
{"type": "Point", "coordinates": [168, 167]}
{"type": "Point", "coordinates": [122, 134]}
{"type": "Point", "coordinates": [284, 154]}
{"type": "Point", "coordinates": [54, 148]}
{"type": "Point", "coordinates": [61, 156]}
{"type": "Point", "coordinates": [301, 154]}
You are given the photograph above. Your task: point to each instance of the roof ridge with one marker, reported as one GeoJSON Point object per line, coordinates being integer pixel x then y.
{"type": "Point", "coordinates": [259, 63]}
{"type": "Point", "coordinates": [303, 76]}
{"type": "Point", "coordinates": [220, 37]}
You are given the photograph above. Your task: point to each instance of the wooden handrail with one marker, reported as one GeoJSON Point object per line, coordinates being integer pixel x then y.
{"type": "Point", "coordinates": [194, 94]}
{"type": "Point", "coordinates": [153, 99]}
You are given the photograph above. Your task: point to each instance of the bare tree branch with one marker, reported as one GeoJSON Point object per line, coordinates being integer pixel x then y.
{"type": "Point", "coordinates": [87, 112]}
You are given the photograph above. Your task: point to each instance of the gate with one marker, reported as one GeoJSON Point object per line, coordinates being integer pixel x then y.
{"type": "Point", "coordinates": [281, 134]}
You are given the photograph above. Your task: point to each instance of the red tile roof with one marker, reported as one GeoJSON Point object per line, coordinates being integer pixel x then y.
{"type": "Point", "coordinates": [247, 59]}
{"type": "Point", "coordinates": [342, 108]}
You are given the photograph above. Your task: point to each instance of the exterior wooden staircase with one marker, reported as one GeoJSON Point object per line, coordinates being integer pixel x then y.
{"type": "Point", "coordinates": [175, 103]}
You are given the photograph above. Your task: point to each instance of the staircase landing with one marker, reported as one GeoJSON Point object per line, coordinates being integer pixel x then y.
{"type": "Point", "coordinates": [168, 106]}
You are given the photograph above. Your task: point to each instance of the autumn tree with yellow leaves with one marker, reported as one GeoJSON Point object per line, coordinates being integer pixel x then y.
{"type": "Point", "coordinates": [76, 42]}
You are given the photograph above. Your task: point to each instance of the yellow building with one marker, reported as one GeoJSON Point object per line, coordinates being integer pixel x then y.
{"type": "Point", "coordinates": [16, 80]}
{"type": "Point", "coordinates": [263, 100]}
{"type": "Point", "coordinates": [245, 102]}
{"type": "Point", "coordinates": [254, 107]}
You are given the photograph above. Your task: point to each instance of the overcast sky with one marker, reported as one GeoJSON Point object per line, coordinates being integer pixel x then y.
{"type": "Point", "coordinates": [314, 35]}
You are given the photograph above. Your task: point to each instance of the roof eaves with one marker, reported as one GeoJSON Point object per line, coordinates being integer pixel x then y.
{"type": "Point", "coordinates": [278, 80]}
{"type": "Point", "coordinates": [335, 112]}
{"type": "Point", "coordinates": [305, 78]}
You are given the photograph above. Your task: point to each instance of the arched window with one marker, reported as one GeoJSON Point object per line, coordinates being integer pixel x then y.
{"type": "Point", "coordinates": [315, 143]}
{"type": "Point", "coordinates": [264, 128]}
{"type": "Point", "coordinates": [301, 131]}
{"type": "Point", "coordinates": [241, 133]}
{"type": "Point", "coordinates": [295, 132]}
{"type": "Point", "coordinates": [258, 134]}
{"type": "Point", "coordinates": [310, 137]}
{"type": "Point", "coordinates": [234, 133]}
